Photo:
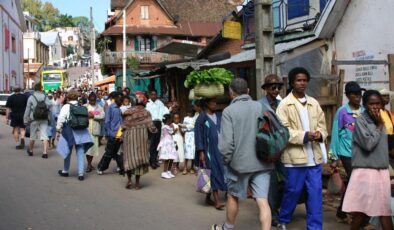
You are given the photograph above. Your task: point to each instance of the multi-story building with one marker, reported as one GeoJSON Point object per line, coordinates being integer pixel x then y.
{"type": "Point", "coordinates": [57, 51]}
{"type": "Point", "coordinates": [35, 52]}
{"type": "Point", "coordinates": [71, 36]}
{"type": "Point", "coordinates": [12, 27]}
{"type": "Point", "coordinates": [154, 23]}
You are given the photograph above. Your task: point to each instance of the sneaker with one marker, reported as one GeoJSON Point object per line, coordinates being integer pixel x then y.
{"type": "Point", "coordinates": [99, 172]}
{"type": "Point", "coordinates": [184, 172]}
{"type": "Point", "coordinates": [81, 178]}
{"type": "Point", "coordinates": [192, 171]}
{"type": "Point", "coordinates": [281, 227]}
{"type": "Point", "coordinates": [63, 174]}
{"type": "Point", "coordinates": [217, 227]}
{"type": "Point", "coordinates": [170, 174]}
{"type": "Point", "coordinates": [165, 175]}
{"type": "Point", "coordinates": [45, 156]}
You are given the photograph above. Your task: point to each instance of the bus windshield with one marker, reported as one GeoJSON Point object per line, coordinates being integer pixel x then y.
{"type": "Point", "coordinates": [51, 77]}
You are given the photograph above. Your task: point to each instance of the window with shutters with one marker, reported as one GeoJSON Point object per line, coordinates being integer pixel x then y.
{"type": "Point", "coordinates": [145, 12]}
{"type": "Point", "coordinates": [144, 44]}
{"type": "Point", "coordinates": [7, 39]}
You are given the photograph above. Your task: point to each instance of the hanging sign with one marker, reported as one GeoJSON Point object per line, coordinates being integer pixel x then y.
{"type": "Point", "coordinates": [232, 30]}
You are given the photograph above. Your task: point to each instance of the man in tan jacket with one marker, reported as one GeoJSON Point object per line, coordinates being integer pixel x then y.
{"type": "Point", "coordinates": [303, 157]}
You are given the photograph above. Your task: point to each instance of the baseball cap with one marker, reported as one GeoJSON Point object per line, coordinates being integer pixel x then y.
{"type": "Point", "coordinates": [353, 87]}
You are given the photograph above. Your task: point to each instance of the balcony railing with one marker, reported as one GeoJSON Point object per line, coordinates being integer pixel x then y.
{"type": "Point", "coordinates": [144, 57]}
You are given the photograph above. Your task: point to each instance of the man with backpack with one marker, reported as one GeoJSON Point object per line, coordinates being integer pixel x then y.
{"type": "Point", "coordinates": [272, 86]}
{"type": "Point", "coordinates": [237, 144]}
{"type": "Point", "coordinates": [37, 114]}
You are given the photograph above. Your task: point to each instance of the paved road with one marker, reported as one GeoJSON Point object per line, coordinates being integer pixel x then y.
{"type": "Point", "coordinates": [33, 196]}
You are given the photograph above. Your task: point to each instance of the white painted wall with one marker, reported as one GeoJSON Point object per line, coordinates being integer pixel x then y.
{"type": "Point", "coordinates": [366, 31]}
{"type": "Point", "coordinates": [10, 62]}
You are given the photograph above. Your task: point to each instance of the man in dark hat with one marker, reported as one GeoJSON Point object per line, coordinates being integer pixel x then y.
{"type": "Point", "coordinates": [342, 133]}
{"type": "Point", "coordinates": [272, 86]}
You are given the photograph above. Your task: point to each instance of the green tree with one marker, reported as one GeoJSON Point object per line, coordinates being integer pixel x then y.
{"type": "Point", "coordinates": [46, 14]}
{"type": "Point", "coordinates": [70, 50]}
{"type": "Point", "coordinates": [133, 63]}
{"type": "Point", "coordinates": [65, 20]}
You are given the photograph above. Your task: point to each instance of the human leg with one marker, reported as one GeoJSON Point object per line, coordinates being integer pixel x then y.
{"type": "Point", "coordinates": [129, 182]}
{"type": "Point", "coordinates": [358, 220]}
{"type": "Point", "coordinates": [15, 132]}
{"type": "Point", "coordinates": [231, 209]}
{"type": "Point", "coordinates": [43, 127]}
{"type": "Point", "coordinates": [314, 204]}
{"type": "Point", "coordinates": [347, 165]}
{"type": "Point", "coordinates": [106, 158]}
{"type": "Point", "coordinates": [295, 180]}
{"type": "Point", "coordinates": [155, 140]}
{"type": "Point", "coordinates": [66, 165]}
{"type": "Point", "coordinates": [137, 182]}
{"type": "Point", "coordinates": [89, 160]}
{"type": "Point", "coordinates": [80, 150]}
{"type": "Point", "coordinates": [216, 197]}
{"type": "Point", "coordinates": [265, 213]}
{"type": "Point", "coordinates": [386, 222]}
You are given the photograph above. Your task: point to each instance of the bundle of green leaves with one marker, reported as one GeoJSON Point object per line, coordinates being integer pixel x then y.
{"type": "Point", "coordinates": [209, 76]}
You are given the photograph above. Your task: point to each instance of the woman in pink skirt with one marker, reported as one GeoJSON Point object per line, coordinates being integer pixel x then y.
{"type": "Point", "coordinates": [368, 192]}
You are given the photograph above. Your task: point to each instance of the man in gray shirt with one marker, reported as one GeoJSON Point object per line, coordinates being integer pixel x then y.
{"type": "Point", "coordinates": [38, 127]}
{"type": "Point", "coordinates": [237, 144]}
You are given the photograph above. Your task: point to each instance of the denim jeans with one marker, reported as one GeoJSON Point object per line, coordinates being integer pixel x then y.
{"type": "Point", "coordinates": [80, 160]}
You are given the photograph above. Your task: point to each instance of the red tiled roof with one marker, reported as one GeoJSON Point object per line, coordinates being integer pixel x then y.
{"type": "Point", "coordinates": [195, 29]}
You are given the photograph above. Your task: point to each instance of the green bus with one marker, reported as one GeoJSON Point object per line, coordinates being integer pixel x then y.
{"type": "Point", "coordinates": [54, 79]}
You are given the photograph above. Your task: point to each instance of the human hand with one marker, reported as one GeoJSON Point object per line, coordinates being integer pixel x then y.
{"type": "Point", "coordinates": [91, 115]}
{"type": "Point", "coordinates": [376, 116]}
{"type": "Point", "coordinates": [317, 135]}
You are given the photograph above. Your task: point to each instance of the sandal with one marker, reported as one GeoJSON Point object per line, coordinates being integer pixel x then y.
{"type": "Point", "coordinates": [184, 172]}
{"type": "Point", "coordinates": [220, 206]}
{"type": "Point", "coordinates": [129, 185]}
{"type": "Point", "coordinates": [137, 187]}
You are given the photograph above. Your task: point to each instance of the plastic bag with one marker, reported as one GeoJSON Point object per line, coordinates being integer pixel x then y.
{"type": "Point", "coordinates": [204, 180]}
{"type": "Point", "coordinates": [335, 184]}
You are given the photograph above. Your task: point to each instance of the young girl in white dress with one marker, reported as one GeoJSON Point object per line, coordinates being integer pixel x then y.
{"type": "Point", "coordinates": [178, 138]}
{"type": "Point", "coordinates": [190, 147]}
{"type": "Point", "coordinates": [166, 147]}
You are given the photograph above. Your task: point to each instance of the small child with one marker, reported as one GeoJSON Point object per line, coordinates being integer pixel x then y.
{"type": "Point", "coordinates": [178, 138]}
{"type": "Point", "coordinates": [166, 147]}
{"type": "Point", "coordinates": [190, 147]}
{"type": "Point", "coordinates": [125, 104]}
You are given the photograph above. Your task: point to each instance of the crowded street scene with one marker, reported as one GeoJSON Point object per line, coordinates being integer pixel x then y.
{"type": "Point", "coordinates": [184, 114]}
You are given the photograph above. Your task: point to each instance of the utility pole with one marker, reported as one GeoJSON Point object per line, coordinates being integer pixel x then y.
{"type": "Point", "coordinates": [264, 40]}
{"type": "Point", "coordinates": [124, 48]}
{"type": "Point", "coordinates": [92, 47]}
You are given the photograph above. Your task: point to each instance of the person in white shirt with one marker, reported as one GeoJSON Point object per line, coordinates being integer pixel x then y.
{"type": "Point", "coordinates": [157, 109]}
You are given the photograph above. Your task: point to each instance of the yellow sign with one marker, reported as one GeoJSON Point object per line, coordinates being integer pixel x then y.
{"type": "Point", "coordinates": [232, 30]}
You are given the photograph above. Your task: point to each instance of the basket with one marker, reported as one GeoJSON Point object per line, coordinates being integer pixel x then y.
{"type": "Point", "coordinates": [208, 91]}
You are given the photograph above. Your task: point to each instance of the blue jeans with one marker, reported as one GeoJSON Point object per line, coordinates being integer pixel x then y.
{"type": "Point", "coordinates": [80, 160]}
{"type": "Point", "coordinates": [296, 179]}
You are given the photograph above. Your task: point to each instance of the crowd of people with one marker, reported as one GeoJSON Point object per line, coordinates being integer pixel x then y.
{"type": "Point", "coordinates": [141, 132]}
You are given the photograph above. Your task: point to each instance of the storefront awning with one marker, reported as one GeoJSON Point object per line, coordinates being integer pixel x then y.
{"type": "Point", "coordinates": [182, 47]}
{"type": "Point", "coordinates": [107, 80]}
{"type": "Point", "coordinates": [187, 64]}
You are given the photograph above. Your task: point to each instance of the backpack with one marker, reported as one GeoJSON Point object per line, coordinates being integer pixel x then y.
{"type": "Point", "coordinates": [41, 111]}
{"type": "Point", "coordinates": [79, 118]}
{"type": "Point", "coordinates": [272, 137]}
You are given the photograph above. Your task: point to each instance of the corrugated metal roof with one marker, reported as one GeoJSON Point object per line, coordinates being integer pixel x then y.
{"type": "Point", "coordinates": [248, 55]}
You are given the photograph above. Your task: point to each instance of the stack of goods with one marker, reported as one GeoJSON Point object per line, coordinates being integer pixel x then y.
{"type": "Point", "coordinates": [208, 83]}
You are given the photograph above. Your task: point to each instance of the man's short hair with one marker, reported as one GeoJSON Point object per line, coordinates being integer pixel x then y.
{"type": "Point", "coordinates": [239, 86]}
{"type": "Point", "coordinates": [295, 71]}
{"type": "Point", "coordinates": [17, 89]}
{"type": "Point", "coordinates": [38, 86]}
